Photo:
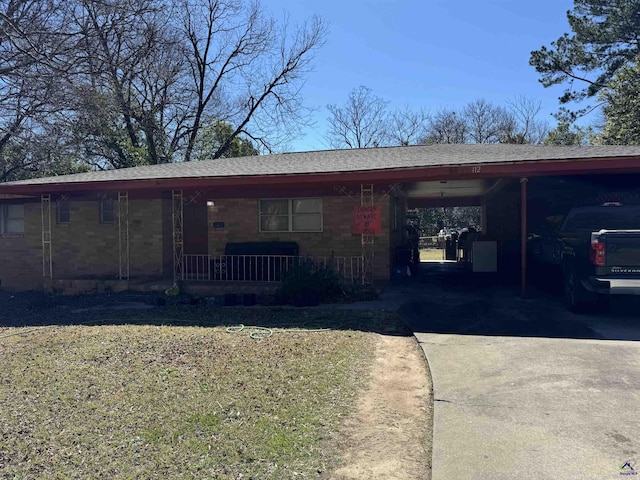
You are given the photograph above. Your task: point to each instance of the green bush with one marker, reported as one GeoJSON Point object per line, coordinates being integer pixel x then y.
{"type": "Point", "coordinates": [359, 293]}
{"type": "Point", "coordinates": [310, 283]}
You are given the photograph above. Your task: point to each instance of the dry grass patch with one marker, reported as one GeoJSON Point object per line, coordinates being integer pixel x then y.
{"type": "Point", "coordinates": [431, 254]}
{"type": "Point", "coordinates": [179, 400]}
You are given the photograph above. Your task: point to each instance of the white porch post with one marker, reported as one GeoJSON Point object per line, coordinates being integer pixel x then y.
{"type": "Point", "coordinates": [368, 248]}
{"type": "Point", "coordinates": [178, 245]}
{"type": "Point", "coordinates": [123, 234]}
{"type": "Point", "coordinates": [47, 261]}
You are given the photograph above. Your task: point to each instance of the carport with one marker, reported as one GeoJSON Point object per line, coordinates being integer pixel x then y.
{"type": "Point", "coordinates": [508, 181]}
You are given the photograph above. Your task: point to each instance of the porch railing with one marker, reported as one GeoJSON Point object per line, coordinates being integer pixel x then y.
{"type": "Point", "coordinates": [262, 268]}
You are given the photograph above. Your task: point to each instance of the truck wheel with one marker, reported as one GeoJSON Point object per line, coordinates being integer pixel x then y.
{"type": "Point", "coordinates": [578, 298]}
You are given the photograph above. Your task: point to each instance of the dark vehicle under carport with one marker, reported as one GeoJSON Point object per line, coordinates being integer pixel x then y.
{"type": "Point", "coordinates": [596, 250]}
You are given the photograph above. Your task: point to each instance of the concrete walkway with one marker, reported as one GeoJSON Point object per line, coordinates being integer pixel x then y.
{"type": "Point", "coordinates": [524, 389]}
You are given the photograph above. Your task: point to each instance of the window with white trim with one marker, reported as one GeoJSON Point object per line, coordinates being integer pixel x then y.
{"type": "Point", "coordinates": [291, 215]}
{"type": "Point", "coordinates": [12, 219]}
{"type": "Point", "coordinates": [107, 213]}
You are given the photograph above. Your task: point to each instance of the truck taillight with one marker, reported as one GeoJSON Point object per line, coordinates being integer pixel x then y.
{"type": "Point", "coordinates": [598, 256]}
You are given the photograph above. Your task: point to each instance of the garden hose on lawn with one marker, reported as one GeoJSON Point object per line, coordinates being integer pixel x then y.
{"type": "Point", "coordinates": [255, 332]}
{"type": "Point", "coordinates": [258, 332]}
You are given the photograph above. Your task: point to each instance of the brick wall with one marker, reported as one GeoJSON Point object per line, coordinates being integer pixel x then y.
{"type": "Point", "coordinates": [87, 248]}
{"type": "Point", "coordinates": [21, 255]}
{"type": "Point", "coordinates": [84, 247]}
{"type": "Point", "coordinates": [146, 237]}
{"type": "Point", "coordinates": [503, 225]}
{"type": "Point", "coordinates": [240, 217]}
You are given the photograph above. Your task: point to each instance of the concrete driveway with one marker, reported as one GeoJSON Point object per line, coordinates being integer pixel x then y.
{"type": "Point", "coordinates": [523, 388]}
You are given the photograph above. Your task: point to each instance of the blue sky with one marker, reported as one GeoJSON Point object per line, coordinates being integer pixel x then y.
{"type": "Point", "coordinates": [429, 54]}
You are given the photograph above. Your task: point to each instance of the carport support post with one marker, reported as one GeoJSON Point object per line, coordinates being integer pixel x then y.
{"type": "Point", "coordinates": [523, 236]}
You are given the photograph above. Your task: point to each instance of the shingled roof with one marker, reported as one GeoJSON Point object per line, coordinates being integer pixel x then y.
{"type": "Point", "coordinates": [351, 160]}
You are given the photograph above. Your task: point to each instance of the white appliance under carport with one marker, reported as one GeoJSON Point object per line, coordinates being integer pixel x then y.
{"type": "Point", "coordinates": [485, 256]}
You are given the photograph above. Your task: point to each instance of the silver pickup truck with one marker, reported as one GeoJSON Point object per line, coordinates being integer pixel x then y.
{"type": "Point", "coordinates": [597, 251]}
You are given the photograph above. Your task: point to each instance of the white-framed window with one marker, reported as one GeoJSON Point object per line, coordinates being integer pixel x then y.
{"type": "Point", "coordinates": [63, 212]}
{"type": "Point", "coordinates": [12, 219]}
{"type": "Point", "coordinates": [107, 213]}
{"type": "Point", "coordinates": [290, 215]}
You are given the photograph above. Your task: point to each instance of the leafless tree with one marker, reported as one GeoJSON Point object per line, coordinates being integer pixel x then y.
{"type": "Point", "coordinates": [482, 122]}
{"type": "Point", "coordinates": [485, 122]}
{"type": "Point", "coordinates": [446, 126]}
{"type": "Point", "coordinates": [246, 69]}
{"type": "Point", "coordinates": [33, 33]}
{"type": "Point", "coordinates": [131, 81]}
{"type": "Point", "coordinates": [156, 69]}
{"type": "Point", "coordinates": [34, 54]}
{"type": "Point", "coordinates": [121, 89]}
{"type": "Point", "coordinates": [525, 126]}
{"type": "Point", "coordinates": [362, 122]}
{"type": "Point", "coordinates": [407, 126]}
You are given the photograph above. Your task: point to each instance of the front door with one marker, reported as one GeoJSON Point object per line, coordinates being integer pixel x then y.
{"type": "Point", "coordinates": [194, 217]}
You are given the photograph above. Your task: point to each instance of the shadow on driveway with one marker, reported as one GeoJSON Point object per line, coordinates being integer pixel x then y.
{"type": "Point", "coordinates": [447, 299]}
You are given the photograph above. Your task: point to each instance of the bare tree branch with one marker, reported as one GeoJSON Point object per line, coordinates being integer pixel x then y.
{"type": "Point", "coordinates": [362, 122]}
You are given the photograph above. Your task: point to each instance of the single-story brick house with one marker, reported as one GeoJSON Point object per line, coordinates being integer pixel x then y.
{"type": "Point", "coordinates": [238, 219]}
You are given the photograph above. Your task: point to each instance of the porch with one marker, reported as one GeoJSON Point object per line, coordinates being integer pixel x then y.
{"type": "Point", "coordinates": [264, 268]}
{"type": "Point", "coordinates": [210, 275]}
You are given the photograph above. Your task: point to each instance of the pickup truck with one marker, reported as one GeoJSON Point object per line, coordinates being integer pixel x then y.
{"type": "Point", "coordinates": [597, 251]}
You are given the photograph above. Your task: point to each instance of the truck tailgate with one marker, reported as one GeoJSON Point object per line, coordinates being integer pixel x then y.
{"type": "Point", "coordinates": [623, 253]}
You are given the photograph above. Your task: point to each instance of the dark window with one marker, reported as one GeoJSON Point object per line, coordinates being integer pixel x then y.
{"type": "Point", "coordinates": [107, 214]}
{"type": "Point", "coordinates": [291, 215]}
{"type": "Point", "coordinates": [12, 219]}
{"type": "Point", "coordinates": [63, 212]}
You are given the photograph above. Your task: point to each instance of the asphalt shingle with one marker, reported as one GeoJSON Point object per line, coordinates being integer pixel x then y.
{"type": "Point", "coordinates": [351, 160]}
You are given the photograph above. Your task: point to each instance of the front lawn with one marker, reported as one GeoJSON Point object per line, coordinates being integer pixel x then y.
{"type": "Point", "coordinates": [173, 393]}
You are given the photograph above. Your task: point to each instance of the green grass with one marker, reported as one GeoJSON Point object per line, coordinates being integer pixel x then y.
{"type": "Point", "coordinates": [186, 399]}
{"type": "Point", "coordinates": [431, 254]}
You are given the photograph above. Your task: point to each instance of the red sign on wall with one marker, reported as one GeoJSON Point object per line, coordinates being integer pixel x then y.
{"type": "Point", "coordinates": [367, 219]}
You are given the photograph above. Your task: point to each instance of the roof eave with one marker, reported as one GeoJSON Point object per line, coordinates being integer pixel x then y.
{"type": "Point", "coordinates": [527, 168]}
